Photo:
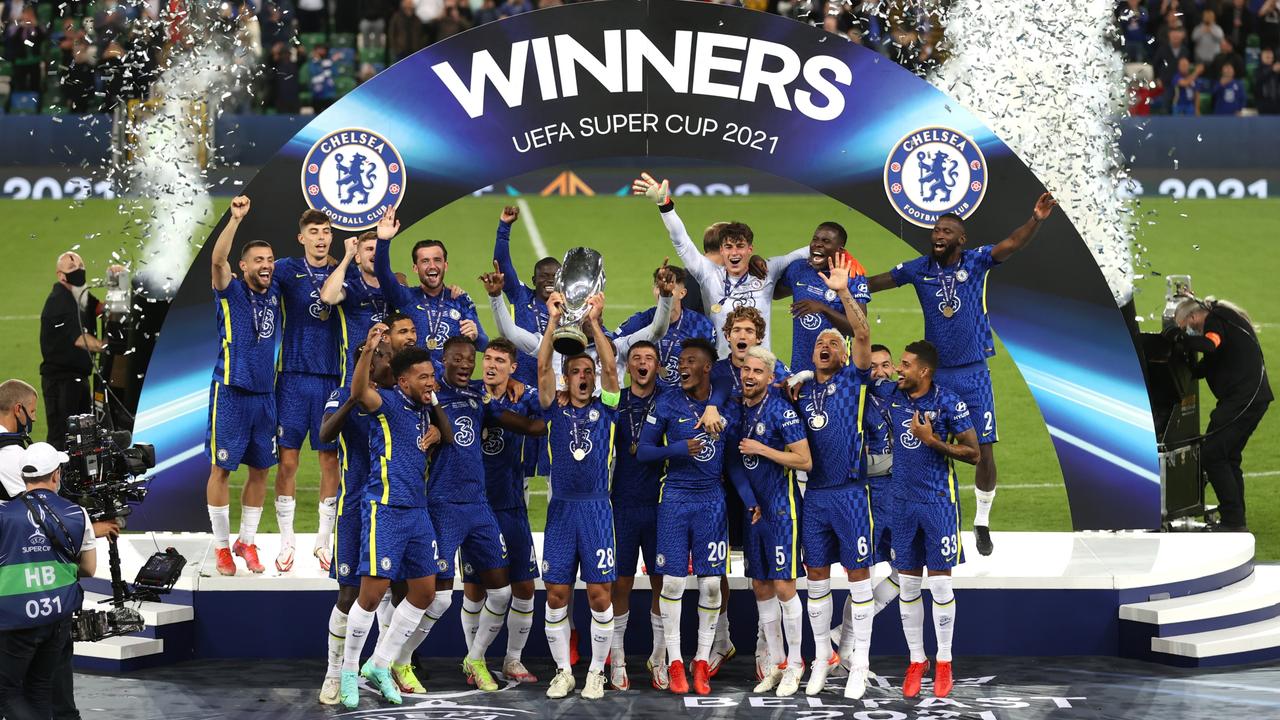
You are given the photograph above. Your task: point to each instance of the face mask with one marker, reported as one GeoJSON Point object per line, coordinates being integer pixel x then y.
{"type": "Point", "coordinates": [76, 278]}
{"type": "Point", "coordinates": [27, 425]}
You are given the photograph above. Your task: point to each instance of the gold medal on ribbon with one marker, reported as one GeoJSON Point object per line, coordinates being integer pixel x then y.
{"type": "Point", "coordinates": [634, 447]}
{"type": "Point", "coordinates": [716, 308]}
{"type": "Point", "coordinates": [324, 314]}
{"type": "Point", "coordinates": [432, 344]}
{"type": "Point", "coordinates": [948, 311]}
{"type": "Point", "coordinates": [579, 454]}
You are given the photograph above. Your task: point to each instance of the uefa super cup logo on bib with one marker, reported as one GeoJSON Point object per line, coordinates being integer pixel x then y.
{"type": "Point", "coordinates": [934, 171]}
{"type": "Point", "coordinates": [351, 175]}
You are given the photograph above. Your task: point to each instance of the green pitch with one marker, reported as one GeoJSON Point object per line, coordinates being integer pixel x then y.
{"type": "Point", "coordinates": [1211, 240]}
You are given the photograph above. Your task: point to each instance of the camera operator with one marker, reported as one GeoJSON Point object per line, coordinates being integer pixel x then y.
{"type": "Point", "coordinates": [1232, 365]}
{"type": "Point", "coordinates": [46, 541]}
{"type": "Point", "coordinates": [17, 416]}
{"type": "Point", "coordinates": [67, 345]}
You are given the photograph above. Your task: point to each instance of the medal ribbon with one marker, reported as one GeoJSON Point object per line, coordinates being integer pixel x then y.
{"type": "Point", "coordinates": [948, 282]}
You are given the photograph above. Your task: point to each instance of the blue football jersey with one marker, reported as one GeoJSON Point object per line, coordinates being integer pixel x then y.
{"type": "Point", "coordinates": [725, 373]}
{"type": "Point", "coordinates": [688, 478]}
{"type": "Point", "coordinates": [775, 424]}
{"type": "Point", "coordinates": [635, 484]}
{"type": "Point", "coordinates": [527, 310]}
{"type": "Point", "coordinates": [807, 284]}
{"type": "Point", "coordinates": [919, 473]}
{"type": "Point", "coordinates": [397, 462]}
{"type": "Point", "coordinates": [954, 302]}
{"type": "Point", "coordinates": [875, 422]}
{"type": "Point", "coordinates": [690, 325]}
{"type": "Point", "coordinates": [455, 473]}
{"type": "Point", "coordinates": [504, 451]}
{"type": "Point", "coordinates": [309, 342]}
{"type": "Point", "coordinates": [247, 327]}
{"type": "Point", "coordinates": [436, 318]}
{"type": "Point", "coordinates": [580, 442]}
{"type": "Point", "coordinates": [353, 449]}
{"type": "Point", "coordinates": [363, 306]}
{"type": "Point", "coordinates": [833, 412]}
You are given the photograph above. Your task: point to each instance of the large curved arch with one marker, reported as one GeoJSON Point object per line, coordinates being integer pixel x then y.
{"type": "Point", "coordinates": [1050, 305]}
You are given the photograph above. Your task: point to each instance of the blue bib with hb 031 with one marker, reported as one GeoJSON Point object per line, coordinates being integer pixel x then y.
{"type": "Point", "coordinates": [38, 584]}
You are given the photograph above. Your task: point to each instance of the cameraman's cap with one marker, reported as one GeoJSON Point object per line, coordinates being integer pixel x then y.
{"type": "Point", "coordinates": [41, 459]}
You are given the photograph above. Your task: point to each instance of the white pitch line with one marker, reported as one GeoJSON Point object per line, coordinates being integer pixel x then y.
{"type": "Point", "coordinates": [16, 318]}
{"type": "Point", "coordinates": [535, 237]}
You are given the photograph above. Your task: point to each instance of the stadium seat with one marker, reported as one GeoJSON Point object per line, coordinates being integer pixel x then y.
{"type": "Point", "coordinates": [44, 13]}
{"type": "Point", "coordinates": [54, 109]}
{"type": "Point", "coordinates": [310, 40]}
{"type": "Point", "coordinates": [345, 84]}
{"type": "Point", "coordinates": [24, 103]}
{"type": "Point", "coordinates": [373, 55]}
{"type": "Point", "coordinates": [4, 103]}
{"type": "Point", "coordinates": [344, 40]}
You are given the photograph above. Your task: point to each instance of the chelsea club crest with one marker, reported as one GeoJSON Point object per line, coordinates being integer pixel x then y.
{"type": "Point", "coordinates": [350, 175]}
{"type": "Point", "coordinates": [934, 171]}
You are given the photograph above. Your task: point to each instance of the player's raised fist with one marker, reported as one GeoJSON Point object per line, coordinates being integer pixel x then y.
{"type": "Point", "coordinates": [666, 280]}
{"type": "Point", "coordinates": [555, 306]}
{"type": "Point", "coordinates": [351, 245]}
{"type": "Point", "coordinates": [376, 333]}
{"type": "Point", "coordinates": [468, 328]}
{"type": "Point", "coordinates": [239, 207]}
{"type": "Point", "coordinates": [494, 281]}
{"type": "Point", "coordinates": [388, 225]}
{"type": "Point", "coordinates": [647, 185]}
{"type": "Point", "coordinates": [1044, 207]}
{"type": "Point", "coordinates": [696, 446]}
{"type": "Point", "coordinates": [595, 307]}
{"type": "Point", "coordinates": [510, 214]}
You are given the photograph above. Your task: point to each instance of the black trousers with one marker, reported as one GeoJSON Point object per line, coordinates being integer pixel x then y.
{"type": "Point", "coordinates": [63, 397]}
{"type": "Point", "coordinates": [1221, 452]}
{"type": "Point", "coordinates": [30, 658]}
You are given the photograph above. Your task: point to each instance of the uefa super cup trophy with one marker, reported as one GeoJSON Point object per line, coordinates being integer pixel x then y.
{"type": "Point", "coordinates": [581, 276]}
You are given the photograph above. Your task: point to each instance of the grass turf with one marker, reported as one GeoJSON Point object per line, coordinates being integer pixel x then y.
{"type": "Point", "coordinates": [1210, 239]}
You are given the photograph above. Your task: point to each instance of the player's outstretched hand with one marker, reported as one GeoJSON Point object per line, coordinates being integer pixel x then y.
{"type": "Point", "coordinates": [510, 214]}
{"type": "Point", "coordinates": [494, 281]}
{"type": "Point", "coordinates": [921, 428]}
{"type": "Point", "coordinates": [696, 446]}
{"type": "Point", "coordinates": [388, 225]}
{"type": "Point", "coordinates": [666, 280]}
{"type": "Point", "coordinates": [239, 207]}
{"type": "Point", "coordinates": [555, 307]}
{"type": "Point", "coordinates": [647, 185]}
{"type": "Point", "coordinates": [711, 422]}
{"type": "Point", "coordinates": [837, 276]}
{"type": "Point", "coordinates": [1044, 207]}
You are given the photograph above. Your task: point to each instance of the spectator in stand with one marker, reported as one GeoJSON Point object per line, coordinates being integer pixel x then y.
{"type": "Point", "coordinates": [1207, 37]}
{"type": "Point", "coordinates": [428, 12]}
{"type": "Point", "coordinates": [1228, 93]}
{"type": "Point", "coordinates": [65, 38]}
{"type": "Point", "coordinates": [1134, 20]}
{"type": "Point", "coordinates": [456, 18]}
{"type": "Point", "coordinates": [1166, 61]}
{"type": "Point", "coordinates": [1237, 22]}
{"type": "Point", "coordinates": [1227, 56]}
{"type": "Point", "coordinates": [405, 34]}
{"type": "Point", "coordinates": [283, 79]}
{"type": "Point", "coordinates": [487, 12]}
{"type": "Point", "coordinates": [1186, 96]}
{"type": "Point", "coordinates": [1266, 83]}
{"type": "Point", "coordinates": [111, 22]}
{"type": "Point", "coordinates": [313, 16]}
{"type": "Point", "coordinates": [78, 82]}
{"type": "Point", "coordinates": [112, 76]}
{"type": "Point", "coordinates": [324, 88]}
{"type": "Point", "coordinates": [275, 26]}
{"type": "Point", "coordinates": [514, 7]}
{"type": "Point", "coordinates": [373, 21]}
{"type": "Point", "coordinates": [1268, 25]}
{"type": "Point", "coordinates": [25, 43]}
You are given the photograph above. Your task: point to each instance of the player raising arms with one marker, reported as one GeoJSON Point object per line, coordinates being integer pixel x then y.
{"type": "Point", "coordinates": [399, 540]}
{"type": "Point", "coordinates": [931, 428]}
{"type": "Point", "coordinates": [351, 431]}
{"type": "Point", "coordinates": [691, 508]}
{"type": "Point", "coordinates": [771, 443]}
{"type": "Point", "coordinates": [242, 406]}
{"type": "Point", "coordinates": [504, 486]}
{"type": "Point", "coordinates": [951, 283]}
{"type": "Point", "coordinates": [634, 494]}
{"type": "Point", "coordinates": [352, 290]}
{"type": "Point", "coordinates": [438, 314]}
{"type": "Point", "coordinates": [579, 530]}
{"type": "Point", "coordinates": [836, 522]}
{"type": "Point", "coordinates": [684, 325]}
{"type": "Point", "coordinates": [723, 288]}
{"type": "Point", "coordinates": [816, 306]}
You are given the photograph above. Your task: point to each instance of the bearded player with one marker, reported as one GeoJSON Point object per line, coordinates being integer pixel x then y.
{"type": "Point", "coordinates": [836, 525]}
{"type": "Point", "coordinates": [579, 532]}
{"type": "Point", "coordinates": [771, 443]}
{"type": "Point", "coordinates": [931, 429]}
{"type": "Point", "coordinates": [691, 508]}
{"type": "Point", "coordinates": [951, 283]}
{"type": "Point", "coordinates": [815, 306]}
